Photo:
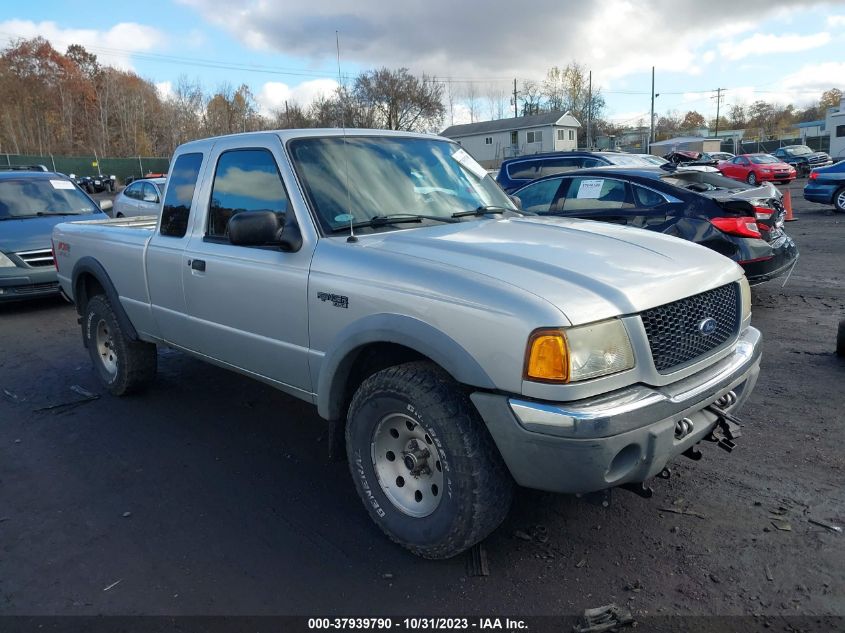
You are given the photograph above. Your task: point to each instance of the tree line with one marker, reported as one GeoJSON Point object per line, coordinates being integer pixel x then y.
{"type": "Point", "coordinates": [71, 104]}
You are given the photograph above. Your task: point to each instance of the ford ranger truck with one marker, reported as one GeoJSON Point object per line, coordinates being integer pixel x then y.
{"type": "Point", "coordinates": [461, 346]}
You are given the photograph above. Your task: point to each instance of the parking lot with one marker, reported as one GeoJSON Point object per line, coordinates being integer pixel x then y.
{"type": "Point", "coordinates": [212, 493]}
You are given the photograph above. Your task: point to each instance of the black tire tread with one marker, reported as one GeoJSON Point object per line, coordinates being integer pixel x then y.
{"type": "Point", "coordinates": [459, 424]}
{"type": "Point", "coordinates": [140, 359]}
{"type": "Point", "coordinates": [836, 195]}
{"type": "Point", "coordinates": [840, 339]}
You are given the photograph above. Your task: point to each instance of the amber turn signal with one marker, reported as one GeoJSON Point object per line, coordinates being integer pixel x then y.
{"type": "Point", "coordinates": [547, 359]}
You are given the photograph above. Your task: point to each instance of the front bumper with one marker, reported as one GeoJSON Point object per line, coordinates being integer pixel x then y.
{"type": "Point", "coordinates": [625, 436]}
{"type": "Point", "coordinates": [17, 284]}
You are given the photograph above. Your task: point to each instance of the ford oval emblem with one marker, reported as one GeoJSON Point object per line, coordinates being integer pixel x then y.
{"type": "Point", "coordinates": [707, 326]}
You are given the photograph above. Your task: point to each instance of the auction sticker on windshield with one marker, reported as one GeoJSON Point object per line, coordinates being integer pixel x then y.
{"type": "Point", "coordinates": [469, 163]}
{"type": "Point", "coordinates": [590, 189]}
{"type": "Point", "coordinates": [61, 184]}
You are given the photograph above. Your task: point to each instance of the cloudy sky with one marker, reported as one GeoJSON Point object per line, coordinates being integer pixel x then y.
{"type": "Point", "coordinates": [755, 49]}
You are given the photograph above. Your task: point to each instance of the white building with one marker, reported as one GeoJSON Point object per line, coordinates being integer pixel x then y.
{"type": "Point", "coordinates": [835, 124]}
{"type": "Point", "coordinates": [492, 141]}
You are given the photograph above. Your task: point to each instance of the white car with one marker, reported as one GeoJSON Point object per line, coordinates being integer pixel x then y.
{"type": "Point", "coordinates": [142, 197]}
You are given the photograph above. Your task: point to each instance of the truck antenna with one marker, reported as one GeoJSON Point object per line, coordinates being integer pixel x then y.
{"type": "Point", "coordinates": [351, 237]}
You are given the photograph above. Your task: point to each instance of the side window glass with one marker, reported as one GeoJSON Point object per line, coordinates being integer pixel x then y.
{"type": "Point", "coordinates": [133, 190]}
{"type": "Point", "coordinates": [591, 193]}
{"type": "Point", "coordinates": [180, 193]}
{"type": "Point", "coordinates": [245, 180]}
{"type": "Point", "coordinates": [558, 166]}
{"type": "Point", "coordinates": [646, 198]}
{"type": "Point", "coordinates": [538, 197]}
{"type": "Point", "coordinates": [523, 170]}
{"type": "Point", "coordinates": [150, 194]}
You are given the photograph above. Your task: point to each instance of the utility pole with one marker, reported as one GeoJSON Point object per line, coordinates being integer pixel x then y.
{"type": "Point", "coordinates": [590, 112]}
{"type": "Point", "coordinates": [651, 126]}
{"type": "Point", "coordinates": [718, 98]}
{"type": "Point", "coordinates": [515, 93]}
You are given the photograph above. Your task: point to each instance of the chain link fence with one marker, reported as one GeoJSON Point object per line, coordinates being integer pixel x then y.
{"type": "Point", "coordinates": [815, 143]}
{"type": "Point", "coordinates": [122, 168]}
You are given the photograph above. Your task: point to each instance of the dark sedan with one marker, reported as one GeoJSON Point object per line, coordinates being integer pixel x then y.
{"type": "Point", "coordinates": [739, 221]}
{"type": "Point", "coordinates": [826, 185]}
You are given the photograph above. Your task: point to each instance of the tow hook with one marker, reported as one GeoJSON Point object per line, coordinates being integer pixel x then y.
{"type": "Point", "coordinates": [727, 429]}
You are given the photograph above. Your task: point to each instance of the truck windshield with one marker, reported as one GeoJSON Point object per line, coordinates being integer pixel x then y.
{"type": "Point", "coordinates": [31, 197]}
{"type": "Point", "coordinates": [799, 150]}
{"type": "Point", "coordinates": [358, 178]}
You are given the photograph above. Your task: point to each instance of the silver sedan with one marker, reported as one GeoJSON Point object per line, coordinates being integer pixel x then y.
{"type": "Point", "coordinates": [141, 197]}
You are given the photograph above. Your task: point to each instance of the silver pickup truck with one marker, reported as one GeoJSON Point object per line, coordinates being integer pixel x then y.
{"type": "Point", "coordinates": [456, 345]}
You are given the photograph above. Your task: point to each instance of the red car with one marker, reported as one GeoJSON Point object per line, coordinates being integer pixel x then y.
{"type": "Point", "coordinates": [756, 168]}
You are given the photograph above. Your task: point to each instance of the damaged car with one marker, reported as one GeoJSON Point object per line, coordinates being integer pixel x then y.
{"type": "Point", "coordinates": [742, 222]}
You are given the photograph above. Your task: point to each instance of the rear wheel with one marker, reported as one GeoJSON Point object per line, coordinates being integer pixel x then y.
{"type": "Point", "coordinates": [751, 179]}
{"type": "Point", "coordinates": [124, 366]}
{"type": "Point", "coordinates": [839, 200]}
{"type": "Point", "coordinates": [423, 462]}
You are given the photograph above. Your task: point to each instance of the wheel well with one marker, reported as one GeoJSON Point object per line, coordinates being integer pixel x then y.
{"type": "Point", "coordinates": [369, 360]}
{"type": "Point", "coordinates": [87, 286]}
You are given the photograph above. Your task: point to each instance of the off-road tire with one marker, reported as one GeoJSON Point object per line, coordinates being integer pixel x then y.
{"type": "Point", "coordinates": [840, 339]}
{"type": "Point", "coordinates": [135, 361]}
{"type": "Point", "coordinates": [839, 200]}
{"type": "Point", "coordinates": [477, 487]}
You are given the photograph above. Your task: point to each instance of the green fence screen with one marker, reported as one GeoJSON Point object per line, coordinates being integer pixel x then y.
{"type": "Point", "coordinates": [122, 168]}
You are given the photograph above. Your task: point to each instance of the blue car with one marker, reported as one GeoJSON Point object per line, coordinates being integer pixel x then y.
{"type": "Point", "coordinates": [31, 204]}
{"type": "Point", "coordinates": [826, 185]}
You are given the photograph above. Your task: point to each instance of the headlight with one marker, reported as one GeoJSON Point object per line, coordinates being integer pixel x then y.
{"type": "Point", "coordinates": [563, 355]}
{"type": "Point", "coordinates": [745, 293]}
{"type": "Point", "coordinates": [5, 262]}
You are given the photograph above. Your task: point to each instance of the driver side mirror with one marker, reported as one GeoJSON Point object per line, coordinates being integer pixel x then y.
{"type": "Point", "coordinates": [106, 205]}
{"type": "Point", "coordinates": [264, 228]}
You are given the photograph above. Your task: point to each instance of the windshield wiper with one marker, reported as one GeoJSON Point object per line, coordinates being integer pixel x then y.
{"type": "Point", "coordinates": [483, 210]}
{"type": "Point", "coordinates": [394, 218]}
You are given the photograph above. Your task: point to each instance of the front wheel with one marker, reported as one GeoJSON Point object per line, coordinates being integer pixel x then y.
{"type": "Point", "coordinates": [752, 178]}
{"type": "Point", "coordinates": [124, 366]}
{"type": "Point", "coordinates": [839, 200]}
{"type": "Point", "coordinates": [423, 462]}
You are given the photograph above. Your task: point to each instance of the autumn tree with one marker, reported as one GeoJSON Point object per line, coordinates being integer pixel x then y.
{"type": "Point", "coordinates": [693, 121]}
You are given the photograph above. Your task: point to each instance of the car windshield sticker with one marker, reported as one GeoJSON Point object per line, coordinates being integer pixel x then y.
{"type": "Point", "coordinates": [590, 189]}
{"type": "Point", "coordinates": [469, 163]}
{"type": "Point", "coordinates": [61, 184]}
{"type": "Point", "coordinates": [344, 217]}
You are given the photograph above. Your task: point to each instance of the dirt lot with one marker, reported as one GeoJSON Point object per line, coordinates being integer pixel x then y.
{"type": "Point", "coordinates": [211, 493]}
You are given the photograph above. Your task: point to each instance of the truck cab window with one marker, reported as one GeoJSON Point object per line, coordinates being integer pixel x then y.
{"type": "Point", "coordinates": [180, 193]}
{"type": "Point", "coordinates": [245, 180]}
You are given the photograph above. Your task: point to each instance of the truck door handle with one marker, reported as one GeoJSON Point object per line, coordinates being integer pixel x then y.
{"type": "Point", "coordinates": [198, 264]}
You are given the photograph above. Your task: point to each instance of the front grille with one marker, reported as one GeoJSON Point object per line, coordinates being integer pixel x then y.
{"type": "Point", "coordinates": [35, 288]}
{"type": "Point", "coordinates": [37, 259]}
{"type": "Point", "coordinates": [675, 332]}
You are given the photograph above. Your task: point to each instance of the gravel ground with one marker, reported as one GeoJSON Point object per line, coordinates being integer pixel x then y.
{"type": "Point", "coordinates": [211, 493]}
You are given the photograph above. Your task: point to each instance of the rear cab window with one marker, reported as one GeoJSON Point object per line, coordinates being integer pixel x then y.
{"type": "Point", "coordinates": [180, 194]}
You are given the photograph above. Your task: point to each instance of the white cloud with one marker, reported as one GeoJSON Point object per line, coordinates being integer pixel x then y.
{"type": "Point", "coordinates": [765, 44]}
{"type": "Point", "coordinates": [835, 20]}
{"type": "Point", "coordinates": [614, 38]}
{"type": "Point", "coordinates": [113, 47]}
{"type": "Point", "coordinates": [165, 89]}
{"type": "Point", "coordinates": [273, 94]}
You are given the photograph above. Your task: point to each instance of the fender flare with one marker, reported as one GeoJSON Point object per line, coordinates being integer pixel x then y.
{"type": "Point", "coordinates": [89, 266]}
{"type": "Point", "coordinates": [401, 330]}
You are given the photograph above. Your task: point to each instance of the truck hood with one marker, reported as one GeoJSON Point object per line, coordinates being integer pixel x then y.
{"type": "Point", "coordinates": [30, 234]}
{"type": "Point", "coordinates": [588, 270]}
